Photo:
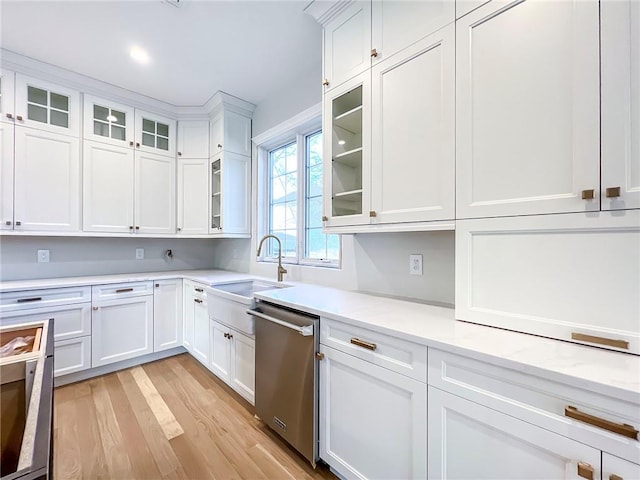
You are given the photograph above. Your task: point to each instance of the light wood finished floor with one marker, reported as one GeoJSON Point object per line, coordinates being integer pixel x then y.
{"type": "Point", "coordinates": [167, 419]}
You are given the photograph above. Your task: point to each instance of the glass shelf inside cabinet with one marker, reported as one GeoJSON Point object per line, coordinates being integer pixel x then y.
{"type": "Point", "coordinates": [216, 191]}
{"type": "Point", "coordinates": [346, 153]}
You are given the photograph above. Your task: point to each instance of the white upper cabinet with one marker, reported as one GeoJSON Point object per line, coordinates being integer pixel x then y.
{"type": "Point", "coordinates": [347, 44]}
{"type": "Point", "coordinates": [47, 181]}
{"type": "Point", "coordinates": [6, 175]}
{"type": "Point", "coordinates": [620, 56]}
{"type": "Point", "coordinates": [412, 132]}
{"type": "Point", "coordinates": [231, 132]}
{"type": "Point", "coordinates": [155, 134]}
{"type": "Point", "coordinates": [527, 108]}
{"type": "Point", "coordinates": [230, 176]}
{"type": "Point", "coordinates": [397, 24]}
{"type": "Point", "coordinates": [193, 139]}
{"type": "Point", "coordinates": [154, 198]}
{"type": "Point", "coordinates": [193, 196]}
{"type": "Point", "coordinates": [108, 122]}
{"type": "Point", "coordinates": [47, 106]}
{"type": "Point", "coordinates": [7, 96]}
{"type": "Point", "coordinates": [465, 6]}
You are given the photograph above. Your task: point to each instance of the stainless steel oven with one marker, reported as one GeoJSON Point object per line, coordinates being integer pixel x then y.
{"type": "Point", "coordinates": [286, 393]}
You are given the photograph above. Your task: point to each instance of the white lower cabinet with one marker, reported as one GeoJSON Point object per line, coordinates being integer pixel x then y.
{"type": "Point", "coordinates": [121, 329]}
{"type": "Point", "coordinates": [373, 421]}
{"type": "Point", "coordinates": [468, 440]}
{"type": "Point", "coordinates": [200, 346]}
{"type": "Point", "coordinates": [614, 468]}
{"type": "Point", "coordinates": [220, 351]}
{"type": "Point", "coordinates": [167, 314]}
{"type": "Point", "coordinates": [71, 355]}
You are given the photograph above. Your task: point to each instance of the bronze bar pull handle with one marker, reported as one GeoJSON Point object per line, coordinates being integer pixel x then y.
{"type": "Point", "coordinates": [585, 470]}
{"type": "Point", "coordinates": [612, 192]}
{"type": "Point", "coordinates": [32, 299]}
{"type": "Point", "coordinates": [613, 476]}
{"type": "Point", "coordinates": [610, 342]}
{"type": "Point", "coordinates": [588, 194]}
{"type": "Point", "coordinates": [199, 290]}
{"type": "Point", "coordinates": [124, 290]}
{"type": "Point", "coordinates": [197, 300]}
{"type": "Point", "coordinates": [619, 428]}
{"type": "Point", "coordinates": [363, 344]}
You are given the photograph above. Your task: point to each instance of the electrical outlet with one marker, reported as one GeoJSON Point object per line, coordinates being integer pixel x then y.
{"type": "Point", "coordinates": [139, 253]}
{"type": "Point", "coordinates": [43, 256]}
{"type": "Point", "coordinates": [415, 264]}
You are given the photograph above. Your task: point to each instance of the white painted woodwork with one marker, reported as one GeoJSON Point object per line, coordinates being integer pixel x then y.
{"type": "Point", "coordinates": [620, 57]}
{"type": "Point", "coordinates": [392, 353]}
{"type": "Point", "coordinates": [617, 466]}
{"type": "Point", "coordinates": [231, 132]}
{"type": "Point", "coordinates": [468, 440]}
{"type": "Point", "coordinates": [167, 314]}
{"type": "Point", "coordinates": [47, 181]}
{"type": "Point", "coordinates": [70, 321]}
{"type": "Point", "coordinates": [7, 95]}
{"type": "Point", "coordinates": [413, 130]}
{"type": "Point", "coordinates": [372, 421]}
{"type": "Point", "coordinates": [108, 186]}
{"type": "Point", "coordinates": [193, 196]}
{"type": "Point", "coordinates": [399, 23]}
{"type": "Point", "coordinates": [6, 174]}
{"type": "Point", "coordinates": [200, 348]}
{"type": "Point", "coordinates": [552, 275]}
{"type": "Point", "coordinates": [121, 329]}
{"type": "Point", "coordinates": [22, 82]}
{"type": "Point", "coordinates": [119, 290]}
{"type": "Point", "coordinates": [188, 296]}
{"type": "Point", "coordinates": [71, 355]}
{"type": "Point", "coordinates": [46, 297]}
{"type": "Point", "coordinates": [220, 363]}
{"type": "Point", "coordinates": [235, 194]}
{"type": "Point", "coordinates": [88, 133]}
{"type": "Point", "coordinates": [154, 198]}
{"type": "Point", "coordinates": [465, 6]}
{"type": "Point", "coordinates": [537, 400]}
{"type": "Point", "coordinates": [193, 139]}
{"type": "Point", "coordinates": [139, 116]}
{"type": "Point", "coordinates": [243, 370]}
{"type": "Point", "coordinates": [347, 44]}
{"type": "Point", "coordinates": [353, 171]}
{"type": "Point", "coordinates": [231, 313]}
{"type": "Point", "coordinates": [527, 108]}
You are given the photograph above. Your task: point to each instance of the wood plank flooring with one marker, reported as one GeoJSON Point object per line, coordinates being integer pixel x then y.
{"type": "Point", "coordinates": [167, 419]}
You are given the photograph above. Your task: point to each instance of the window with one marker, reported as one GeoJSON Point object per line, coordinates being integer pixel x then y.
{"type": "Point", "coordinates": [47, 107]}
{"type": "Point", "coordinates": [109, 123]}
{"type": "Point", "coordinates": [294, 201]}
{"type": "Point", "coordinates": [155, 134]}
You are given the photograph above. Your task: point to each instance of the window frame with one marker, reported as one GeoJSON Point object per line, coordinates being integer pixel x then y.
{"type": "Point", "coordinates": [299, 137]}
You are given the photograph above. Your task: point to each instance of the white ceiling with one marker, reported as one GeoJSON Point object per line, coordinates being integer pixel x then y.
{"type": "Point", "coordinates": [248, 49]}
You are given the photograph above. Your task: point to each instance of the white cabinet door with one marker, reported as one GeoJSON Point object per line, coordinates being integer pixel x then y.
{"type": "Point", "coordinates": [397, 24]}
{"type": "Point", "coordinates": [155, 180]}
{"type": "Point", "coordinates": [216, 138]}
{"type": "Point", "coordinates": [155, 134]}
{"type": "Point", "coordinates": [47, 181]}
{"type": "Point", "coordinates": [413, 142]}
{"type": "Point", "coordinates": [200, 331]}
{"type": "Point", "coordinates": [243, 350]}
{"type": "Point", "coordinates": [193, 196]}
{"type": "Point", "coordinates": [614, 468]}
{"type": "Point", "coordinates": [107, 188]}
{"type": "Point", "coordinates": [108, 122]}
{"type": "Point", "coordinates": [373, 422]}
{"type": "Point", "coordinates": [167, 314]}
{"type": "Point", "coordinates": [620, 37]}
{"type": "Point", "coordinates": [231, 132]}
{"type": "Point", "coordinates": [527, 108]}
{"type": "Point", "coordinates": [6, 175]}
{"type": "Point", "coordinates": [188, 315]}
{"type": "Point", "coordinates": [193, 139]}
{"type": "Point", "coordinates": [468, 440]}
{"type": "Point", "coordinates": [347, 44]}
{"type": "Point", "coordinates": [121, 329]}
{"type": "Point", "coordinates": [235, 194]}
{"type": "Point", "coordinates": [220, 351]}
{"type": "Point", "coordinates": [71, 355]}
{"type": "Point", "coordinates": [7, 95]}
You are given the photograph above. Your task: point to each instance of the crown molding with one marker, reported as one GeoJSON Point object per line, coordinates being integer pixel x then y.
{"type": "Point", "coordinates": [300, 121]}
{"type": "Point", "coordinates": [325, 10]}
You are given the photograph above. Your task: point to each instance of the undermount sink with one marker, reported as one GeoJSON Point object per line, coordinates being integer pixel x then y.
{"type": "Point", "coordinates": [246, 288]}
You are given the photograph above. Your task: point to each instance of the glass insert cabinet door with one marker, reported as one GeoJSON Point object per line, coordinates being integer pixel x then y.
{"type": "Point", "coordinates": [46, 106]}
{"type": "Point", "coordinates": [108, 122]}
{"type": "Point", "coordinates": [155, 134]}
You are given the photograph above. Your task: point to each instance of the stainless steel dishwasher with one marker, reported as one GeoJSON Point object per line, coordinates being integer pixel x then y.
{"type": "Point", "coordinates": [287, 375]}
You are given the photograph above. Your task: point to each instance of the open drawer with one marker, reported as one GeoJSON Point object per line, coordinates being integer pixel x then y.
{"type": "Point", "coordinates": [20, 340]}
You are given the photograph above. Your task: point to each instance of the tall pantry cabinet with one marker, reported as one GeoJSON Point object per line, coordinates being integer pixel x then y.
{"type": "Point", "coordinates": [40, 169]}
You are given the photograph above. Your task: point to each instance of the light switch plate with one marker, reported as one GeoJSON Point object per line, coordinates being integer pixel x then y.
{"type": "Point", "coordinates": [139, 253]}
{"type": "Point", "coordinates": [415, 264]}
{"type": "Point", "coordinates": [43, 256]}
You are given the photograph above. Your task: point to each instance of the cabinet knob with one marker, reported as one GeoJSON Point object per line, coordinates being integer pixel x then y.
{"type": "Point", "coordinates": [230, 336]}
{"type": "Point", "coordinates": [585, 470]}
{"type": "Point", "coordinates": [8, 222]}
{"type": "Point", "coordinates": [612, 192]}
{"type": "Point", "coordinates": [95, 308]}
{"type": "Point", "coordinates": [179, 154]}
{"type": "Point", "coordinates": [137, 227]}
{"type": "Point", "coordinates": [325, 218]}
{"type": "Point", "coordinates": [374, 53]}
{"type": "Point", "coordinates": [219, 145]}
{"type": "Point", "coordinates": [18, 224]}
{"type": "Point", "coordinates": [179, 229]}
{"type": "Point", "coordinates": [9, 115]}
{"type": "Point", "coordinates": [325, 83]}
{"type": "Point", "coordinates": [226, 335]}
{"type": "Point", "coordinates": [197, 300]}
{"type": "Point", "coordinates": [19, 117]}
{"type": "Point", "coordinates": [130, 227]}
{"type": "Point", "coordinates": [157, 285]}
{"type": "Point", "coordinates": [373, 214]}
{"type": "Point", "coordinates": [320, 356]}
{"type": "Point", "coordinates": [137, 144]}
{"type": "Point", "coordinates": [588, 194]}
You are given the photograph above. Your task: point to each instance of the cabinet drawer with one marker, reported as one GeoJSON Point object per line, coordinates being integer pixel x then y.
{"type": "Point", "coordinates": [28, 299]}
{"type": "Point", "coordinates": [121, 290]}
{"type": "Point", "coordinates": [231, 314]}
{"type": "Point", "coordinates": [71, 355]}
{"type": "Point", "coordinates": [70, 321]}
{"type": "Point", "coordinates": [538, 401]}
{"type": "Point", "coordinates": [398, 355]}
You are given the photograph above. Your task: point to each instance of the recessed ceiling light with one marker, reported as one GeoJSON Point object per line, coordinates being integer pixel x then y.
{"type": "Point", "coordinates": [341, 142]}
{"type": "Point", "coordinates": [139, 55]}
{"type": "Point", "coordinates": [112, 118]}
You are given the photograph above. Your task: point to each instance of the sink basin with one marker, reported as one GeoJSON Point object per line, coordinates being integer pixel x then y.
{"type": "Point", "coordinates": [246, 288]}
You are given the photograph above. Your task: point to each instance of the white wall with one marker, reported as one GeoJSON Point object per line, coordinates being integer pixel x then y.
{"type": "Point", "coordinates": [72, 256]}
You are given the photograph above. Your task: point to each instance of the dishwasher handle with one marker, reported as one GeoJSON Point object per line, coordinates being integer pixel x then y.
{"type": "Point", "coordinates": [305, 331]}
